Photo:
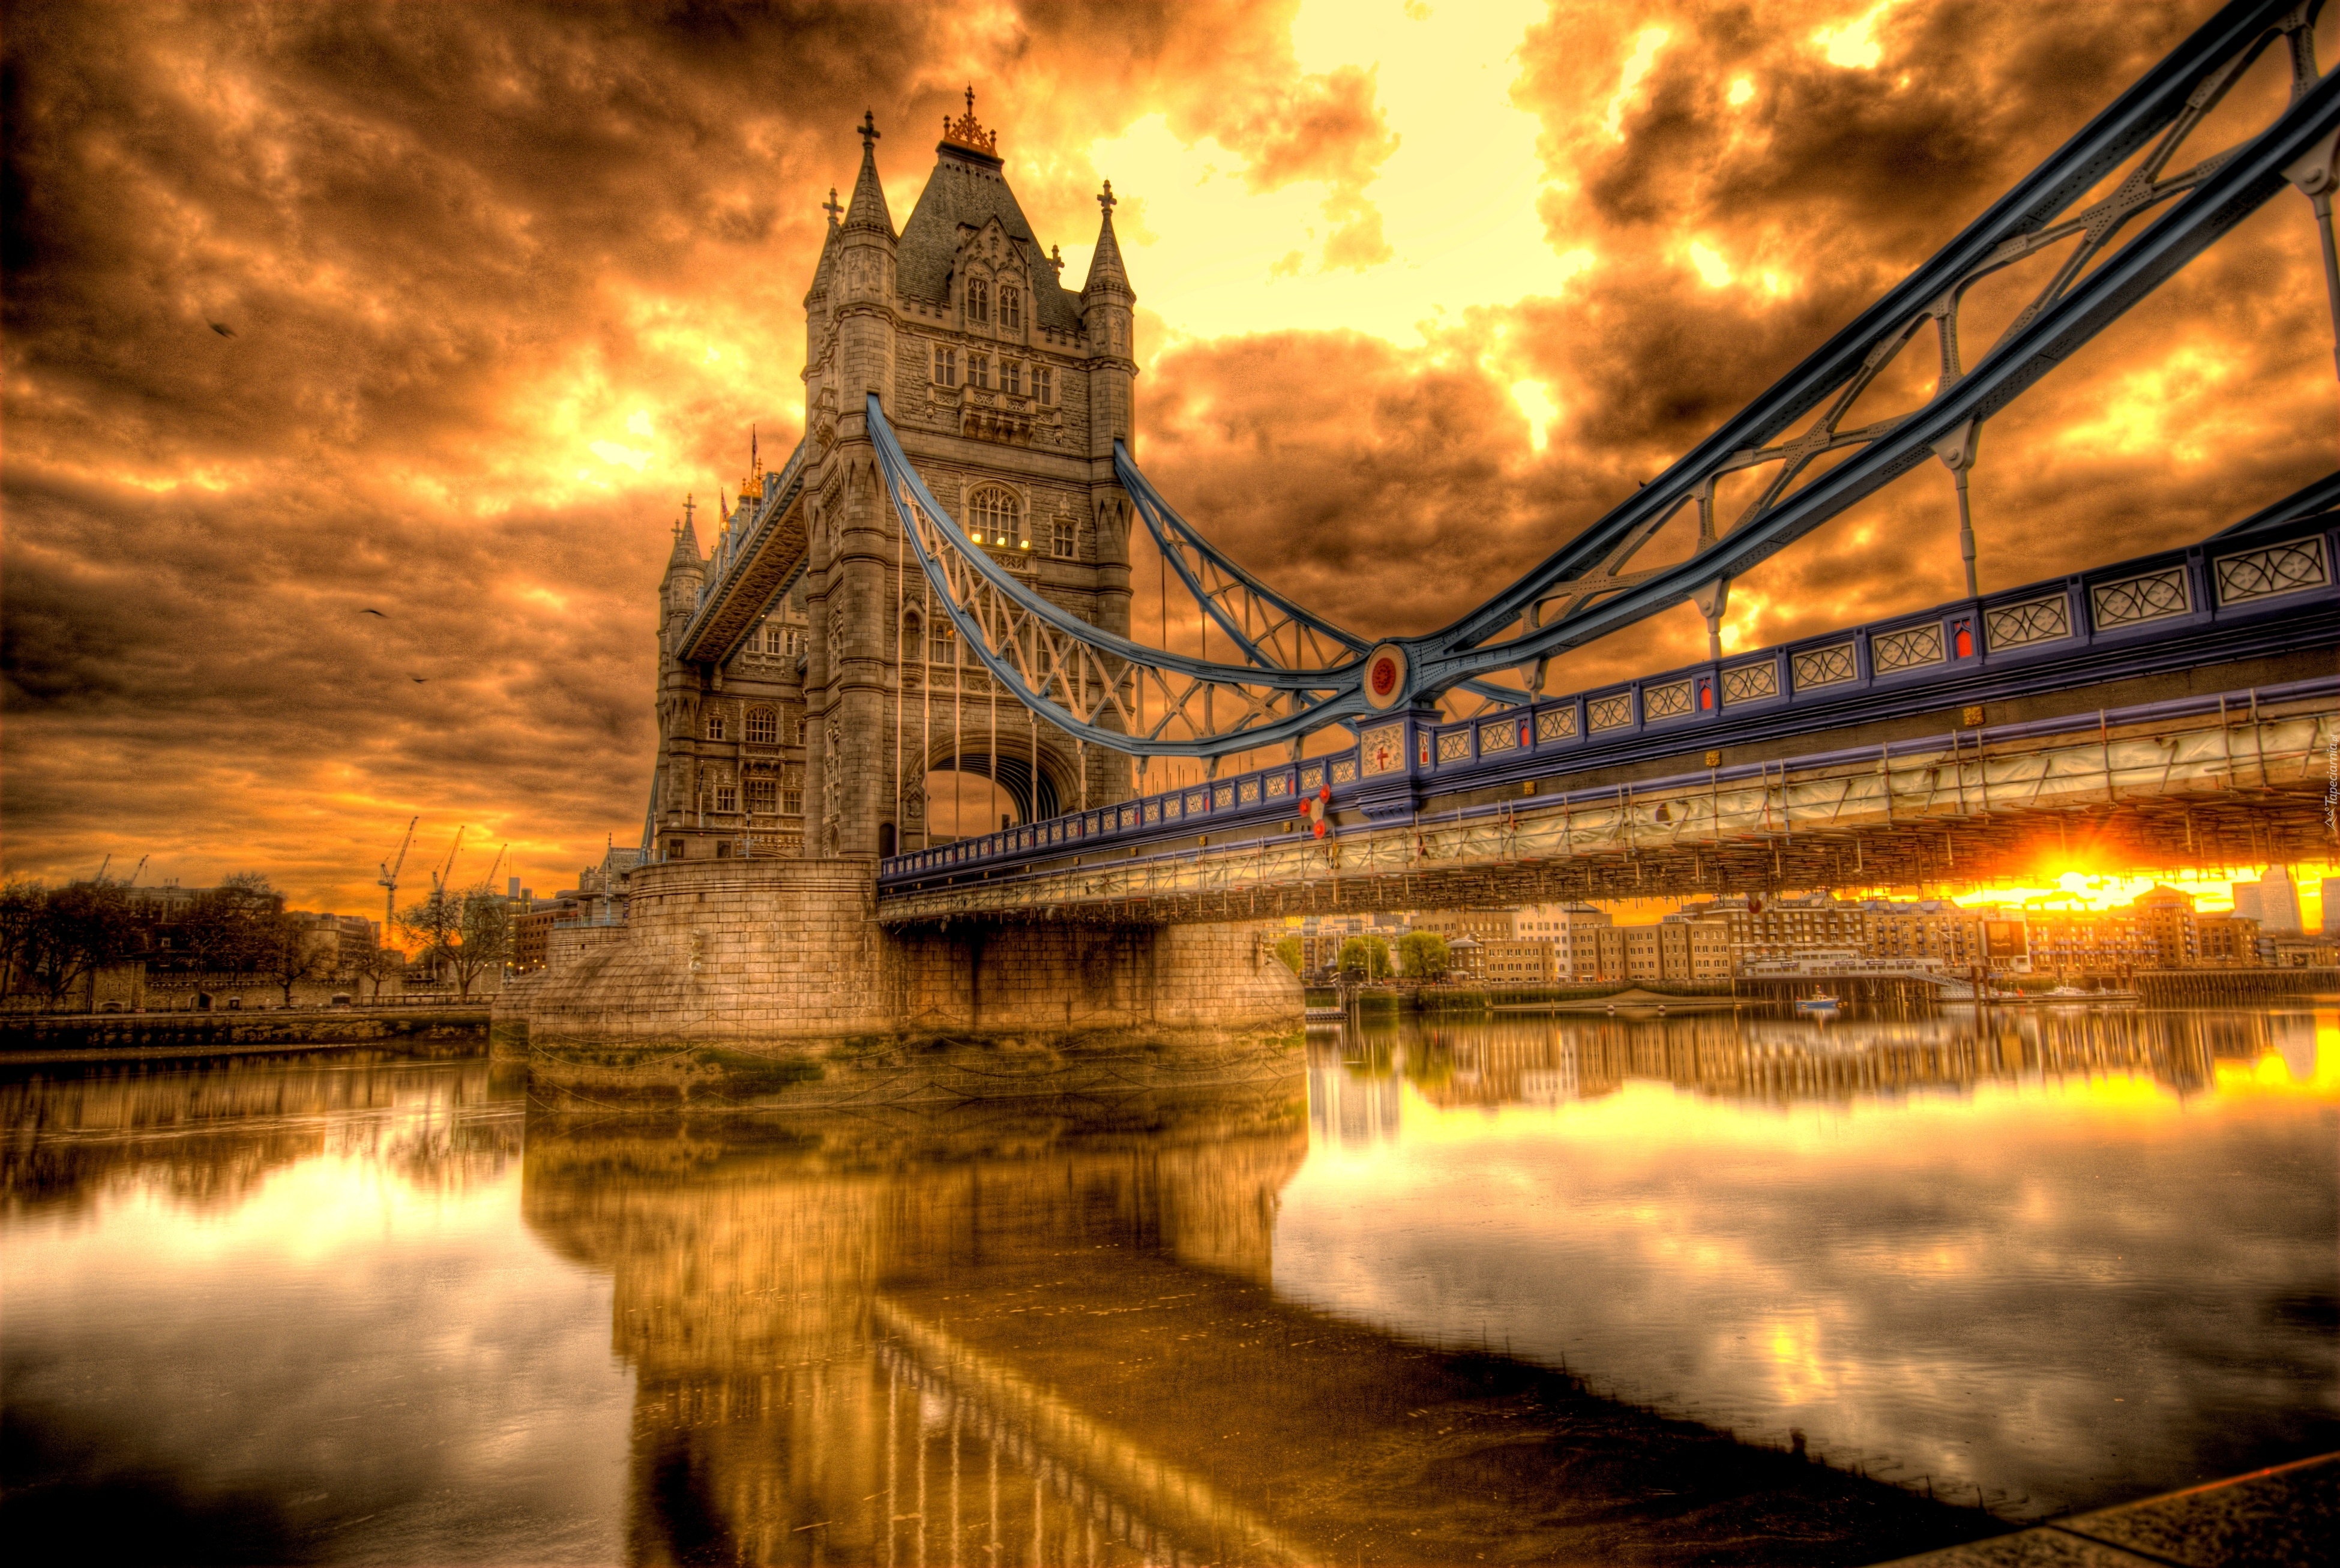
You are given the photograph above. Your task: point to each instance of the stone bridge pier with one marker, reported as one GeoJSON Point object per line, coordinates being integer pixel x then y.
{"type": "Point", "coordinates": [770, 982]}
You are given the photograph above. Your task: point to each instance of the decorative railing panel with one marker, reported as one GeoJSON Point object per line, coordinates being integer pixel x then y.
{"type": "Point", "coordinates": [2044, 620]}
{"type": "Point", "coordinates": [2287, 568]}
{"type": "Point", "coordinates": [1825, 667]}
{"type": "Point", "coordinates": [2130, 600]}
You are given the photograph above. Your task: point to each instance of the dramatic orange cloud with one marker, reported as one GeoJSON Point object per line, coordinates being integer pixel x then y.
{"type": "Point", "coordinates": [1425, 288]}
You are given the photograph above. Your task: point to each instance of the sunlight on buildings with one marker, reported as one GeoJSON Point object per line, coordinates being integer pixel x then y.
{"type": "Point", "coordinates": [2212, 889]}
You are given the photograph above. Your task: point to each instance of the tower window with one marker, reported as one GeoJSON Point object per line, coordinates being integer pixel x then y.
{"type": "Point", "coordinates": [1043, 383]}
{"type": "Point", "coordinates": [1011, 378]}
{"type": "Point", "coordinates": [762, 795]}
{"type": "Point", "coordinates": [792, 803]}
{"type": "Point", "coordinates": [1011, 308]}
{"type": "Point", "coordinates": [978, 370]}
{"type": "Point", "coordinates": [994, 516]}
{"type": "Point", "coordinates": [946, 366]}
{"type": "Point", "coordinates": [726, 797]}
{"type": "Point", "coordinates": [978, 300]}
{"type": "Point", "coordinates": [1061, 543]}
{"type": "Point", "coordinates": [763, 727]}
{"type": "Point", "coordinates": [715, 727]}
{"type": "Point", "coordinates": [939, 642]}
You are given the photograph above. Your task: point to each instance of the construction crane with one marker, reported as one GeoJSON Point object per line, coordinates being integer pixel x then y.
{"type": "Point", "coordinates": [389, 880]}
{"type": "Point", "coordinates": [442, 878]}
{"type": "Point", "coordinates": [138, 870]}
{"type": "Point", "coordinates": [488, 882]}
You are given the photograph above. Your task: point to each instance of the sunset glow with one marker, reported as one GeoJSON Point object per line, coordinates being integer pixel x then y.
{"type": "Point", "coordinates": [436, 310]}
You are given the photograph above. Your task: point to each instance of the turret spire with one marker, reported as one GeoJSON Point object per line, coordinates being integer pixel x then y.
{"type": "Point", "coordinates": [1106, 268]}
{"type": "Point", "coordinates": [867, 209]}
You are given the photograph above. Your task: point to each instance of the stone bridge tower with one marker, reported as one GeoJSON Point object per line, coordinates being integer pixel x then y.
{"type": "Point", "coordinates": [1008, 393]}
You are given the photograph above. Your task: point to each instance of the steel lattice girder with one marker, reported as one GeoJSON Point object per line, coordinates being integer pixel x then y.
{"type": "Point", "coordinates": [2207, 199]}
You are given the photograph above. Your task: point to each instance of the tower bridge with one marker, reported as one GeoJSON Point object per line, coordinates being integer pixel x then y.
{"type": "Point", "coordinates": [936, 586]}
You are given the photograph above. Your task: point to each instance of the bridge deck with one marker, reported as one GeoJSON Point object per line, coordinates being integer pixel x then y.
{"type": "Point", "coordinates": [2249, 603]}
{"type": "Point", "coordinates": [2233, 778]}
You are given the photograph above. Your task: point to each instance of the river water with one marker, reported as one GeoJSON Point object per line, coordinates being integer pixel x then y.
{"type": "Point", "coordinates": [1521, 1287]}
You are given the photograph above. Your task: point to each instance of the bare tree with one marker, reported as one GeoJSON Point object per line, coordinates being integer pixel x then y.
{"type": "Point", "coordinates": [377, 964]}
{"type": "Point", "coordinates": [21, 903]}
{"type": "Point", "coordinates": [78, 931]}
{"type": "Point", "coordinates": [486, 939]}
{"type": "Point", "coordinates": [289, 951]}
{"type": "Point", "coordinates": [462, 934]}
{"type": "Point", "coordinates": [226, 928]}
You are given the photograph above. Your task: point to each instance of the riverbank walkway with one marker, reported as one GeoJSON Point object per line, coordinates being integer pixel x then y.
{"type": "Point", "coordinates": [2287, 1514]}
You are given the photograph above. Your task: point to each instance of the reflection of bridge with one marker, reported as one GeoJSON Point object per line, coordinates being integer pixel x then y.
{"type": "Point", "coordinates": [1008, 1338]}
{"type": "Point", "coordinates": [962, 553]}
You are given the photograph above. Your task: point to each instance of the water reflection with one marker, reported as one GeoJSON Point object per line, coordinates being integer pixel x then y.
{"type": "Point", "coordinates": [1368, 1311]}
{"type": "Point", "coordinates": [270, 1311]}
{"type": "Point", "coordinates": [1032, 1334]}
{"type": "Point", "coordinates": [2052, 1261]}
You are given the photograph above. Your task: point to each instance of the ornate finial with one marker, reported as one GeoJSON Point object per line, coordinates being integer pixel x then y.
{"type": "Point", "coordinates": [869, 130]}
{"type": "Point", "coordinates": [964, 132]}
{"type": "Point", "coordinates": [755, 457]}
{"type": "Point", "coordinates": [832, 208]}
{"type": "Point", "coordinates": [689, 510]}
{"type": "Point", "coordinates": [1057, 258]}
{"type": "Point", "coordinates": [1107, 199]}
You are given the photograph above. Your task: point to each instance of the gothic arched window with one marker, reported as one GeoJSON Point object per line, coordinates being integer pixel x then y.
{"type": "Point", "coordinates": [938, 640]}
{"type": "Point", "coordinates": [978, 300]}
{"type": "Point", "coordinates": [715, 727]}
{"type": "Point", "coordinates": [763, 727]}
{"type": "Point", "coordinates": [994, 516]}
{"type": "Point", "coordinates": [1011, 307]}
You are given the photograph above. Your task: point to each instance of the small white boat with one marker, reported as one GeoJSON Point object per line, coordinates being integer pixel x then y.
{"type": "Point", "coordinates": [1821, 1006]}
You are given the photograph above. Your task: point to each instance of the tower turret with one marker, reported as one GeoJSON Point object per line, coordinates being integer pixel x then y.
{"type": "Point", "coordinates": [1109, 317]}
{"type": "Point", "coordinates": [686, 571]}
{"type": "Point", "coordinates": [861, 291]}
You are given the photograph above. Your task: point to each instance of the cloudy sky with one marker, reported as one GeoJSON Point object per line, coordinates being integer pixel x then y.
{"type": "Point", "coordinates": [1420, 283]}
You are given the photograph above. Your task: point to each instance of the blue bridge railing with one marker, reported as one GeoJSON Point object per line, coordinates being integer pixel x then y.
{"type": "Point", "coordinates": [2240, 595]}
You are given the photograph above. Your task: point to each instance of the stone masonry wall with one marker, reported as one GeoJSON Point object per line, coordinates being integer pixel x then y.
{"type": "Point", "coordinates": [786, 949]}
{"type": "Point", "coordinates": [1024, 977]}
{"type": "Point", "coordinates": [721, 949]}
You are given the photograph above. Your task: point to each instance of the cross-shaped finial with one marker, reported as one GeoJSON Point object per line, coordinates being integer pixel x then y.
{"type": "Point", "coordinates": [832, 207]}
{"type": "Point", "coordinates": [970, 100]}
{"type": "Point", "coordinates": [1107, 200]}
{"type": "Point", "coordinates": [1057, 257]}
{"type": "Point", "coordinates": [868, 128]}
{"type": "Point", "coordinates": [690, 507]}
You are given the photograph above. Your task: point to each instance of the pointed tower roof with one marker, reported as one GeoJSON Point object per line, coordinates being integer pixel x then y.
{"type": "Point", "coordinates": [968, 189]}
{"type": "Point", "coordinates": [866, 211]}
{"type": "Point", "coordinates": [827, 265]}
{"type": "Point", "coordinates": [1106, 270]}
{"type": "Point", "coordinates": [684, 554]}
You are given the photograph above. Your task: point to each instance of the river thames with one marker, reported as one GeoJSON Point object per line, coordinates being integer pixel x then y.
{"type": "Point", "coordinates": [1507, 1288]}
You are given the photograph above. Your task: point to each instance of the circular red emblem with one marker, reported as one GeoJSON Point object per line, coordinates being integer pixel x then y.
{"type": "Point", "coordinates": [1384, 676]}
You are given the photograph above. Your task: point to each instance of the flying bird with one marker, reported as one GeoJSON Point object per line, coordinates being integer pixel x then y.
{"type": "Point", "coordinates": [225, 332]}
{"type": "Point", "coordinates": [370, 610]}
{"type": "Point", "coordinates": [419, 680]}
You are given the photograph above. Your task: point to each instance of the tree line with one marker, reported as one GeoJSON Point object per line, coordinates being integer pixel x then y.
{"type": "Point", "coordinates": [53, 939]}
